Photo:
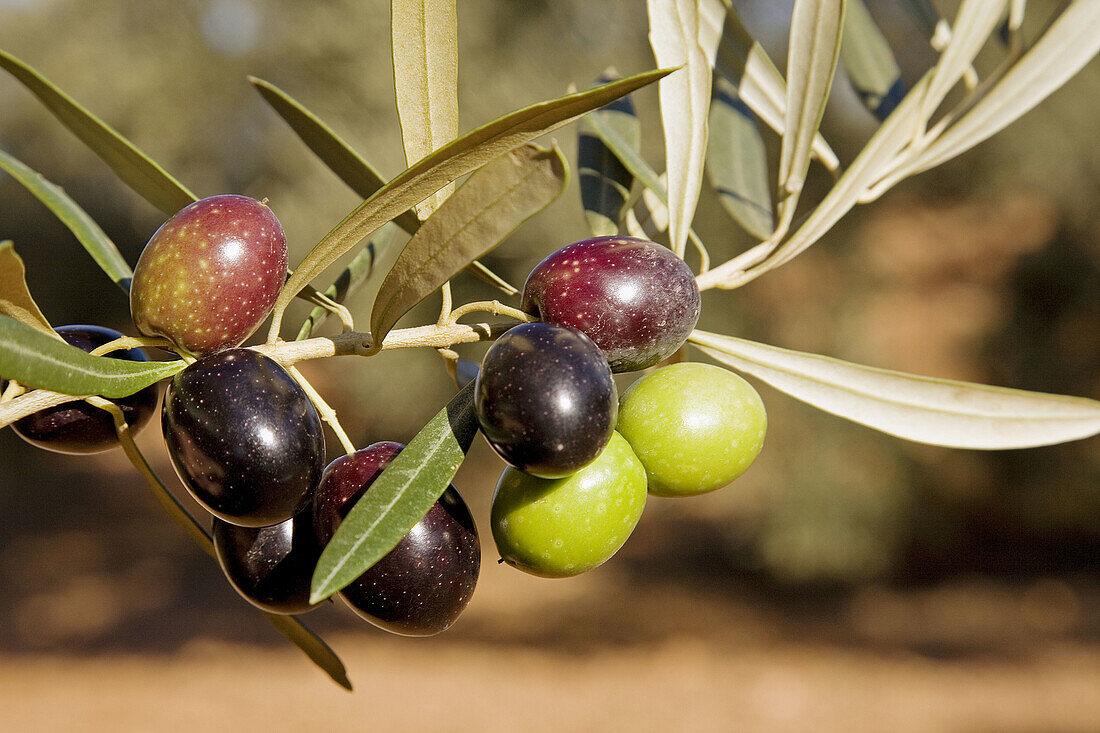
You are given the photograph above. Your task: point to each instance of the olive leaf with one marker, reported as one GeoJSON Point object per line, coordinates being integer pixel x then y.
{"type": "Point", "coordinates": [737, 163]}
{"type": "Point", "coordinates": [922, 409]}
{"type": "Point", "coordinates": [330, 148]}
{"type": "Point", "coordinates": [869, 61]}
{"type": "Point", "coordinates": [38, 361]}
{"type": "Point", "coordinates": [744, 63]}
{"type": "Point", "coordinates": [399, 497]}
{"type": "Point", "coordinates": [312, 645]}
{"type": "Point", "coordinates": [1063, 50]}
{"type": "Point", "coordinates": [605, 182]}
{"type": "Point", "coordinates": [15, 298]}
{"type": "Point", "coordinates": [684, 33]}
{"type": "Point", "coordinates": [83, 227]}
{"type": "Point", "coordinates": [458, 158]}
{"type": "Point", "coordinates": [814, 47]}
{"type": "Point", "coordinates": [348, 165]}
{"type": "Point", "coordinates": [975, 21]}
{"type": "Point", "coordinates": [480, 215]}
{"type": "Point", "coordinates": [131, 165]}
{"type": "Point", "coordinates": [424, 35]}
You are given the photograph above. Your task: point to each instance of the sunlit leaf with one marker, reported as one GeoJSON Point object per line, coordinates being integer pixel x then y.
{"type": "Point", "coordinates": [891, 136]}
{"type": "Point", "coordinates": [460, 157]}
{"type": "Point", "coordinates": [604, 181]}
{"type": "Point", "coordinates": [648, 218]}
{"type": "Point", "coordinates": [816, 30]}
{"type": "Point", "coordinates": [922, 409]}
{"type": "Point", "coordinates": [348, 165]}
{"type": "Point", "coordinates": [737, 163]}
{"type": "Point", "coordinates": [83, 227]}
{"type": "Point", "coordinates": [870, 62]}
{"type": "Point", "coordinates": [135, 168]}
{"type": "Point", "coordinates": [1070, 43]}
{"type": "Point", "coordinates": [744, 63]}
{"type": "Point", "coordinates": [312, 645]}
{"type": "Point", "coordinates": [425, 71]}
{"type": "Point", "coordinates": [399, 497]}
{"type": "Point", "coordinates": [677, 34]}
{"type": "Point", "coordinates": [15, 298]}
{"type": "Point", "coordinates": [36, 360]}
{"type": "Point", "coordinates": [974, 22]}
{"type": "Point", "coordinates": [480, 215]}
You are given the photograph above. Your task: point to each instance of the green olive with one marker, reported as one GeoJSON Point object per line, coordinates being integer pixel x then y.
{"type": "Point", "coordinates": [695, 427]}
{"type": "Point", "coordinates": [561, 527]}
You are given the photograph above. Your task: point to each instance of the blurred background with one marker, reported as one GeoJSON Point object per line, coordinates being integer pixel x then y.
{"type": "Point", "coordinates": [849, 581]}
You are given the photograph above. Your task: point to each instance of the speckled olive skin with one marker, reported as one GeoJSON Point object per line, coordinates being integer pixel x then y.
{"type": "Point", "coordinates": [243, 437]}
{"type": "Point", "coordinates": [637, 300]}
{"type": "Point", "coordinates": [424, 583]}
{"type": "Point", "coordinates": [76, 427]}
{"type": "Point", "coordinates": [695, 427]}
{"type": "Point", "coordinates": [270, 567]}
{"type": "Point", "coordinates": [556, 528]}
{"type": "Point", "coordinates": [545, 399]}
{"type": "Point", "coordinates": [210, 275]}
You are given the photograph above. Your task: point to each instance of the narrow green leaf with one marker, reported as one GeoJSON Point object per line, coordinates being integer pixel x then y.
{"type": "Point", "coordinates": [816, 27]}
{"type": "Point", "coordinates": [398, 498]}
{"type": "Point", "coordinates": [83, 227]}
{"type": "Point", "coordinates": [605, 182]}
{"type": "Point", "coordinates": [737, 162]}
{"type": "Point", "coordinates": [15, 298]}
{"type": "Point", "coordinates": [480, 215]}
{"type": "Point", "coordinates": [680, 36]}
{"type": "Point", "coordinates": [1070, 43]}
{"type": "Point", "coordinates": [330, 148]}
{"type": "Point", "coordinates": [348, 165]}
{"type": "Point", "coordinates": [458, 158]}
{"type": "Point", "coordinates": [289, 626]}
{"type": "Point", "coordinates": [135, 168]}
{"type": "Point", "coordinates": [921, 409]}
{"type": "Point", "coordinates": [870, 62]}
{"type": "Point", "coordinates": [355, 274]}
{"type": "Point", "coordinates": [38, 361]}
{"type": "Point", "coordinates": [424, 35]}
{"type": "Point", "coordinates": [744, 63]}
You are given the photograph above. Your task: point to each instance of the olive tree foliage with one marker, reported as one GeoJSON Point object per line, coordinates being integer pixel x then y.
{"type": "Point", "coordinates": [720, 98]}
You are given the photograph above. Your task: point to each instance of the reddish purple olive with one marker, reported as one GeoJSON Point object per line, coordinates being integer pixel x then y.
{"type": "Point", "coordinates": [77, 427]}
{"type": "Point", "coordinates": [545, 399]}
{"type": "Point", "coordinates": [210, 275]}
{"type": "Point", "coordinates": [424, 583]}
{"type": "Point", "coordinates": [270, 567]}
{"type": "Point", "coordinates": [635, 299]}
{"type": "Point", "coordinates": [243, 437]}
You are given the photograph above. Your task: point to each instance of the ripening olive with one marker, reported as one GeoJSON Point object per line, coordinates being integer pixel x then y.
{"type": "Point", "coordinates": [696, 427]}
{"type": "Point", "coordinates": [423, 584]}
{"type": "Point", "coordinates": [635, 299]}
{"type": "Point", "coordinates": [210, 275]}
{"type": "Point", "coordinates": [556, 528]}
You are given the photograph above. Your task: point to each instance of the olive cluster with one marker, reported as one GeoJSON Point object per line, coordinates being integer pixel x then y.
{"type": "Point", "coordinates": [582, 460]}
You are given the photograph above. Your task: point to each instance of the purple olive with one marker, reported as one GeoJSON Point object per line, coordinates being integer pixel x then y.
{"type": "Point", "coordinates": [243, 437]}
{"type": "Point", "coordinates": [210, 275]}
{"type": "Point", "coordinates": [270, 567]}
{"type": "Point", "coordinates": [545, 399]}
{"type": "Point", "coordinates": [77, 427]}
{"type": "Point", "coordinates": [637, 300]}
{"type": "Point", "coordinates": [424, 583]}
